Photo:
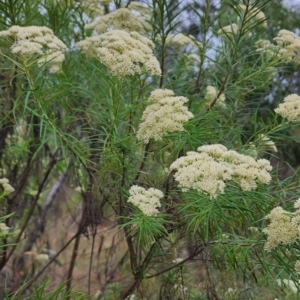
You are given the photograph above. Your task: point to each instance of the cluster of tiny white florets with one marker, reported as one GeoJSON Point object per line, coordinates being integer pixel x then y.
{"type": "Point", "coordinates": [253, 13]}
{"type": "Point", "coordinates": [290, 108]}
{"type": "Point", "coordinates": [229, 29]}
{"type": "Point", "coordinates": [123, 53]}
{"type": "Point", "coordinates": [284, 227]}
{"type": "Point", "coordinates": [4, 229]}
{"type": "Point", "coordinates": [287, 48]}
{"type": "Point", "coordinates": [211, 95]}
{"type": "Point", "coordinates": [146, 200]}
{"type": "Point", "coordinates": [181, 291]}
{"type": "Point", "coordinates": [208, 170]}
{"type": "Point", "coordinates": [267, 48]}
{"type": "Point", "coordinates": [165, 114]}
{"type": "Point", "coordinates": [180, 40]}
{"type": "Point", "coordinates": [280, 230]}
{"type": "Point", "coordinates": [121, 19]}
{"type": "Point", "coordinates": [6, 187]}
{"type": "Point", "coordinates": [34, 41]}
{"type": "Point", "coordinates": [42, 258]}
{"type": "Point", "coordinates": [297, 266]}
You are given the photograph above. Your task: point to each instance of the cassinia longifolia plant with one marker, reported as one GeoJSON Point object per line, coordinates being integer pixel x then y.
{"type": "Point", "coordinates": [146, 150]}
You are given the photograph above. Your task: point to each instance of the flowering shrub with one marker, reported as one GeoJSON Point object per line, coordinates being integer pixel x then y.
{"type": "Point", "coordinates": [147, 149]}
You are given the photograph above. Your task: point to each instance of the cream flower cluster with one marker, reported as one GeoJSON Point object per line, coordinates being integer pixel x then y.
{"type": "Point", "coordinates": [267, 48]}
{"type": "Point", "coordinates": [253, 13]}
{"type": "Point", "coordinates": [290, 108]}
{"type": "Point", "coordinates": [289, 46]}
{"type": "Point", "coordinates": [297, 266]}
{"type": "Point", "coordinates": [4, 229]}
{"type": "Point", "coordinates": [146, 200]}
{"type": "Point", "coordinates": [208, 170]}
{"type": "Point", "coordinates": [284, 227]}
{"type": "Point", "coordinates": [121, 19]}
{"type": "Point", "coordinates": [229, 29]}
{"type": "Point", "coordinates": [123, 53]}
{"type": "Point", "coordinates": [281, 229]}
{"type": "Point", "coordinates": [166, 114]}
{"type": "Point", "coordinates": [180, 40]}
{"type": "Point", "coordinates": [7, 188]}
{"type": "Point", "coordinates": [42, 258]}
{"type": "Point", "coordinates": [31, 41]}
{"type": "Point", "coordinates": [212, 93]}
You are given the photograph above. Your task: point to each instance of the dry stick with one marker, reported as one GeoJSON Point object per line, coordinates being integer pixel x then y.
{"type": "Point", "coordinates": [29, 284]}
{"type": "Point", "coordinates": [20, 187]}
{"type": "Point", "coordinates": [91, 259]}
{"type": "Point", "coordinates": [112, 245]}
{"type": "Point", "coordinates": [98, 256]}
{"type": "Point", "coordinates": [162, 63]}
{"type": "Point", "coordinates": [11, 200]}
{"type": "Point", "coordinates": [191, 256]}
{"type": "Point", "coordinates": [41, 220]}
{"type": "Point", "coordinates": [138, 274]}
{"type": "Point", "coordinates": [74, 254]}
{"type": "Point", "coordinates": [146, 152]}
{"type": "Point", "coordinates": [7, 125]}
{"type": "Point", "coordinates": [133, 255]}
{"type": "Point", "coordinates": [31, 211]}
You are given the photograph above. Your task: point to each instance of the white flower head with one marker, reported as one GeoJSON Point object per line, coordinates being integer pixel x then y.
{"type": "Point", "coordinates": [177, 260]}
{"type": "Point", "coordinates": [297, 266]}
{"type": "Point", "coordinates": [165, 114]}
{"type": "Point", "coordinates": [212, 166]}
{"type": "Point", "coordinates": [132, 297]}
{"type": "Point", "coordinates": [4, 229]}
{"type": "Point", "coordinates": [266, 47]}
{"type": "Point", "coordinates": [181, 291]}
{"type": "Point", "coordinates": [281, 230]}
{"type": "Point", "coordinates": [146, 200]}
{"type": "Point", "coordinates": [289, 46]}
{"type": "Point", "coordinates": [36, 42]}
{"type": "Point", "coordinates": [7, 188]}
{"type": "Point", "coordinates": [297, 204]}
{"type": "Point", "coordinates": [79, 189]}
{"type": "Point", "coordinates": [42, 258]}
{"type": "Point", "coordinates": [229, 29]}
{"type": "Point", "coordinates": [123, 53]}
{"type": "Point", "coordinates": [180, 40]}
{"type": "Point", "coordinates": [121, 19]}
{"type": "Point", "coordinates": [97, 294]}
{"type": "Point", "coordinates": [254, 14]}
{"type": "Point", "coordinates": [290, 108]}
{"type": "Point", "coordinates": [211, 95]}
